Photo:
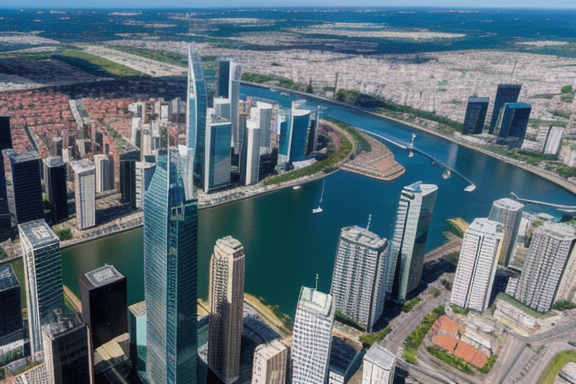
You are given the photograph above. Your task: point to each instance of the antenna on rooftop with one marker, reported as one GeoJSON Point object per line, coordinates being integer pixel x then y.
{"type": "Point", "coordinates": [369, 220]}
{"type": "Point", "coordinates": [316, 282]}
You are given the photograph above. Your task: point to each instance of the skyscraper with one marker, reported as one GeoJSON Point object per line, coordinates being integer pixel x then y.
{"type": "Point", "coordinates": [475, 115]}
{"type": "Point", "coordinates": [170, 268]}
{"type": "Point", "coordinates": [56, 189]}
{"type": "Point", "coordinates": [506, 93]}
{"type": "Point", "coordinates": [43, 271]}
{"type": "Point", "coordinates": [144, 173]}
{"type": "Point", "coordinates": [285, 137]}
{"type": "Point", "coordinates": [509, 213]}
{"type": "Point", "coordinates": [312, 337]}
{"type": "Point", "coordinates": [250, 154]}
{"type": "Point", "coordinates": [379, 365]}
{"type": "Point", "coordinates": [300, 132]}
{"type": "Point", "coordinates": [270, 363]}
{"type": "Point", "coordinates": [217, 161]}
{"type": "Point", "coordinates": [358, 284]}
{"type": "Point", "coordinates": [512, 124]}
{"type": "Point", "coordinates": [226, 294]}
{"type": "Point", "coordinates": [5, 133]}
{"type": "Point", "coordinates": [196, 113]}
{"type": "Point", "coordinates": [104, 303]}
{"type": "Point", "coordinates": [477, 264]}
{"type": "Point", "coordinates": [104, 173]}
{"type": "Point", "coordinates": [266, 112]}
{"type": "Point", "coordinates": [409, 240]}
{"type": "Point", "coordinates": [85, 193]}
{"type": "Point", "coordinates": [10, 311]}
{"type": "Point", "coordinates": [549, 268]}
{"type": "Point", "coordinates": [229, 87]}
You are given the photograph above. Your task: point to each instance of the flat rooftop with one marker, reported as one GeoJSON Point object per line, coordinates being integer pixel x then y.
{"type": "Point", "coordinates": [380, 356]}
{"type": "Point", "coordinates": [38, 233]}
{"type": "Point", "coordinates": [314, 301]}
{"type": "Point", "coordinates": [83, 165]}
{"type": "Point", "coordinates": [16, 157]}
{"type": "Point", "coordinates": [362, 236]}
{"type": "Point", "coordinates": [104, 275]}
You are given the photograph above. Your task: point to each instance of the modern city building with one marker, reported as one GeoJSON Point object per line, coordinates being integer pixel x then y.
{"type": "Point", "coordinates": [312, 336]}
{"type": "Point", "coordinates": [128, 177]}
{"type": "Point", "coordinates": [549, 268]}
{"type": "Point", "coordinates": [358, 281]}
{"type": "Point", "coordinates": [266, 113]}
{"type": "Point", "coordinates": [229, 88]}
{"type": "Point", "coordinates": [144, 173]}
{"type": "Point", "coordinates": [250, 153]}
{"type": "Point", "coordinates": [300, 132]}
{"type": "Point", "coordinates": [104, 303]}
{"type": "Point", "coordinates": [415, 210]}
{"type": "Point", "coordinates": [5, 133]}
{"type": "Point", "coordinates": [285, 136]}
{"type": "Point", "coordinates": [67, 349]}
{"type": "Point", "coordinates": [506, 93]}
{"type": "Point", "coordinates": [217, 161]}
{"type": "Point", "coordinates": [512, 124]}
{"type": "Point", "coordinates": [10, 311]}
{"type": "Point", "coordinates": [43, 271]}
{"type": "Point", "coordinates": [56, 149]}
{"type": "Point", "coordinates": [55, 187]}
{"type": "Point", "coordinates": [345, 359]}
{"type": "Point", "coordinates": [509, 213]}
{"type": "Point", "coordinates": [104, 173]}
{"type": "Point", "coordinates": [270, 363]}
{"type": "Point", "coordinates": [477, 264]}
{"type": "Point", "coordinates": [553, 141]}
{"type": "Point", "coordinates": [23, 186]}
{"type": "Point", "coordinates": [196, 113]}
{"type": "Point", "coordinates": [226, 295]}
{"type": "Point", "coordinates": [379, 366]}
{"type": "Point", "coordinates": [475, 115]}
{"type": "Point", "coordinates": [170, 272]}
{"type": "Point", "coordinates": [85, 193]}
{"type": "Point", "coordinates": [137, 330]}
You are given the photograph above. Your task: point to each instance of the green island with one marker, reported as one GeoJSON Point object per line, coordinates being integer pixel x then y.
{"type": "Point", "coordinates": [369, 339]}
{"type": "Point", "coordinates": [558, 362]}
{"type": "Point", "coordinates": [414, 339]}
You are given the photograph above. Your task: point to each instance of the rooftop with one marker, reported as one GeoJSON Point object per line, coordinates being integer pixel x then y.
{"type": "Point", "coordinates": [341, 355]}
{"type": "Point", "coordinates": [509, 204]}
{"type": "Point", "coordinates": [380, 356]}
{"type": "Point", "coordinates": [104, 275]}
{"type": "Point", "coordinates": [271, 349]}
{"type": "Point", "coordinates": [138, 309]}
{"type": "Point", "coordinates": [53, 161]}
{"type": "Point", "coordinates": [38, 233]}
{"type": "Point", "coordinates": [83, 165]}
{"type": "Point", "coordinates": [16, 157]}
{"type": "Point", "coordinates": [478, 99]}
{"type": "Point", "coordinates": [484, 225]}
{"type": "Point", "coordinates": [229, 243]}
{"type": "Point", "coordinates": [7, 278]}
{"type": "Point", "coordinates": [315, 301]}
{"type": "Point", "coordinates": [362, 236]}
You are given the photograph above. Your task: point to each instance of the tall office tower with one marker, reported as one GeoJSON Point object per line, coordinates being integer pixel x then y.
{"type": "Point", "coordinates": [270, 363]}
{"type": "Point", "coordinates": [128, 177]}
{"type": "Point", "coordinates": [300, 132]}
{"type": "Point", "coordinates": [475, 115]}
{"type": "Point", "coordinates": [379, 365]}
{"type": "Point", "coordinates": [229, 87]}
{"type": "Point", "coordinates": [104, 303]}
{"type": "Point", "coordinates": [137, 330]}
{"type": "Point", "coordinates": [312, 337]}
{"type": "Point", "coordinates": [553, 140]}
{"type": "Point", "coordinates": [144, 173]}
{"type": "Point", "coordinates": [10, 311]}
{"type": "Point", "coordinates": [23, 186]}
{"type": "Point", "coordinates": [250, 154]}
{"type": "Point", "coordinates": [104, 173]}
{"type": "Point", "coordinates": [285, 136]}
{"type": "Point", "coordinates": [56, 149]}
{"type": "Point", "coordinates": [56, 189]}
{"type": "Point", "coordinates": [477, 264]}
{"type": "Point", "coordinates": [170, 268]}
{"type": "Point", "coordinates": [266, 112]}
{"type": "Point", "coordinates": [5, 133]}
{"type": "Point", "coordinates": [67, 349]}
{"type": "Point", "coordinates": [43, 271]}
{"type": "Point", "coordinates": [506, 93]}
{"type": "Point", "coordinates": [226, 294]}
{"type": "Point", "coordinates": [509, 213]}
{"type": "Point", "coordinates": [358, 284]}
{"type": "Point", "coordinates": [196, 113]}
{"type": "Point", "coordinates": [85, 193]}
{"type": "Point", "coordinates": [549, 268]}
{"type": "Point", "coordinates": [222, 107]}
{"type": "Point", "coordinates": [512, 124]}
{"type": "Point", "coordinates": [218, 158]}
{"type": "Point", "coordinates": [409, 240]}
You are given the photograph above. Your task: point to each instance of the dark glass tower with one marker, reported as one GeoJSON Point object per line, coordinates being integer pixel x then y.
{"type": "Point", "coordinates": [5, 135]}
{"type": "Point", "coordinates": [55, 187]}
{"type": "Point", "coordinates": [475, 115]}
{"type": "Point", "coordinates": [10, 312]}
{"type": "Point", "coordinates": [196, 113]}
{"type": "Point", "coordinates": [170, 268]}
{"type": "Point", "coordinates": [506, 93]}
{"type": "Point", "coordinates": [300, 134]}
{"type": "Point", "coordinates": [512, 124]}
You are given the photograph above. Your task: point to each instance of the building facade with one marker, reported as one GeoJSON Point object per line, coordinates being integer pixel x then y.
{"type": "Point", "coordinates": [10, 311]}
{"type": "Point", "coordinates": [144, 173]}
{"type": "Point", "coordinates": [553, 142]}
{"type": "Point", "coordinates": [300, 132]}
{"type": "Point", "coordinates": [56, 189]}
{"type": "Point", "coordinates": [226, 294]}
{"type": "Point", "coordinates": [250, 154]}
{"type": "Point", "coordinates": [217, 152]}
{"type": "Point", "coordinates": [85, 193]}
{"type": "Point", "coordinates": [509, 213]}
{"type": "Point", "coordinates": [506, 93]}
{"type": "Point", "coordinates": [104, 173]}
{"type": "Point", "coordinates": [475, 115]}
{"type": "Point", "coordinates": [512, 124]}
{"type": "Point", "coordinates": [270, 363]}
{"type": "Point", "coordinates": [196, 113]}
{"type": "Point", "coordinates": [379, 366]}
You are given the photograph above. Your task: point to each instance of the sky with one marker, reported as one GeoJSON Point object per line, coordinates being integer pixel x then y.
{"type": "Point", "coordinates": [140, 4]}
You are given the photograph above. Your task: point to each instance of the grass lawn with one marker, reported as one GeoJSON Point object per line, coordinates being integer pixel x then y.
{"type": "Point", "coordinates": [558, 362]}
{"type": "Point", "coordinates": [91, 60]}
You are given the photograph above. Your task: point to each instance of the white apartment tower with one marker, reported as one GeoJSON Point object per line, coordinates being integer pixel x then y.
{"type": "Point", "coordinates": [509, 213]}
{"type": "Point", "coordinates": [85, 193]}
{"type": "Point", "coordinates": [379, 364]}
{"type": "Point", "coordinates": [312, 337]}
{"type": "Point", "coordinates": [477, 264]}
{"type": "Point", "coordinates": [358, 284]}
{"type": "Point", "coordinates": [270, 363]}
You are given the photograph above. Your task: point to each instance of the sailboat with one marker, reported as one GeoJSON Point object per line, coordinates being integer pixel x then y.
{"type": "Point", "coordinates": [319, 209]}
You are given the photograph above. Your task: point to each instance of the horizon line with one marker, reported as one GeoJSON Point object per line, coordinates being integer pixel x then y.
{"type": "Point", "coordinates": [309, 7]}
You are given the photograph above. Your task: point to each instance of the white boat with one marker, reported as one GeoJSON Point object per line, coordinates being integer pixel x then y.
{"type": "Point", "coordinates": [319, 209]}
{"type": "Point", "coordinates": [296, 187]}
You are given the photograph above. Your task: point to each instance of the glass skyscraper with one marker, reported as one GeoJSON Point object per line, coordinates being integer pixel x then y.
{"type": "Point", "coordinates": [170, 268]}
{"type": "Point", "coordinates": [506, 93]}
{"type": "Point", "coordinates": [512, 124]}
{"type": "Point", "coordinates": [475, 115]}
{"type": "Point", "coordinates": [217, 153]}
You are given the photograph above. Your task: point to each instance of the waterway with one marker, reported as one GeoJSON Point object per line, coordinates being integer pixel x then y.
{"type": "Point", "coordinates": [287, 245]}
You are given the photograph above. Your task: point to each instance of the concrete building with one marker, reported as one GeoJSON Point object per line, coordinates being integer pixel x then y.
{"type": "Point", "coordinates": [104, 173]}
{"type": "Point", "coordinates": [56, 149]}
{"type": "Point", "coordinates": [509, 213]}
{"type": "Point", "coordinates": [477, 264]}
{"type": "Point", "coordinates": [144, 173]}
{"type": "Point", "coordinates": [270, 363]}
{"type": "Point", "coordinates": [549, 268]}
{"type": "Point", "coordinates": [10, 311]}
{"type": "Point", "coordinates": [415, 209]}
{"type": "Point", "coordinates": [379, 366]}
{"type": "Point", "coordinates": [250, 152]}
{"type": "Point", "coordinates": [85, 193]}
{"type": "Point", "coordinates": [358, 281]}
{"type": "Point", "coordinates": [104, 303]}
{"type": "Point", "coordinates": [475, 115]}
{"type": "Point", "coordinates": [43, 271]}
{"type": "Point", "coordinates": [506, 93]}
{"type": "Point", "coordinates": [512, 124]}
{"type": "Point", "coordinates": [55, 187]}
{"type": "Point", "coordinates": [226, 295]}
{"type": "Point", "coordinates": [312, 337]}
{"type": "Point", "coordinates": [217, 152]}
{"type": "Point", "coordinates": [553, 141]}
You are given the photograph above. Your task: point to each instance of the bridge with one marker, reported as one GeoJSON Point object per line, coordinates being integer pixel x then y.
{"type": "Point", "coordinates": [560, 207]}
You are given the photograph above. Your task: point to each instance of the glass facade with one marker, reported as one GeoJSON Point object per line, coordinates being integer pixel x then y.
{"type": "Point", "coordinates": [506, 93]}
{"type": "Point", "coordinates": [475, 115]}
{"type": "Point", "coordinates": [217, 173]}
{"type": "Point", "coordinates": [512, 124]}
{"type": "Point", "coordinates": [300, 133]}
{"type": "Point", "coordinates": [196, 112]}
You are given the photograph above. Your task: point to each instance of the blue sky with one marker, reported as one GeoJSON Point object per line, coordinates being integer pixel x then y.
{"type": "Point", "coordinates": [571, 4]}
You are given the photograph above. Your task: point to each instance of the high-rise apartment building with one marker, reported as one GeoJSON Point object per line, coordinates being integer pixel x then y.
{"type": "Point", "coordinates": [512, 124]}
{"type": "Point", "coordinates": [196, 113]}
{"type": "Point", "coordinates": [358, 281]}
{"type": "Point", "coordinates": [43, 271]}
{"type": "Point", "coordinates": [104, 173]}
{"type": "Point", "coordinates": [475, 115]}
{"type": "Point", "coordinates": [250, 154]}
{"type": "Point", "coordinates": [506, 93]}
{"type": "Point", "coordinates": [217, 161]}
{"type": "Point", "coordinates": [229, 88]}
{"type": "Point", "coordinates": [23, 186]}
{"type": "Point", "coordinates": [56, 149]}
{"type": "Point", "coordinates": [85, 193]}
{"type": "Point", "coordinates": [312, 336]}
{"type": "Point", "coordinates": [549, 268]}
{"type": "Point", "coordinates": [226, 295]}
{"type": "Point", "coordinates": [104, 303]}
{"type": "Point", "coordinates": [477, 264]}
{"type": "Point", "coordinates": [170, 270]}
{"type": "Point", "coordinates": [553, 141]}
{"type": "Point", "coordinates": [10, 311]}
{"type": "Point", "coordinates": [379, 366]}
{"type": "Point", "coordinates": [270, 363]}
{"type": "Point", "coordinates": [56, 189]}
{"type": "Point", "coordinates": [509, 213]}
{"type": "Point", "coordinates": [266, 113]}
{"type": "Point", "coordinates": [144, 173]}
{"type": "Point", "coordinates": [409, 240]}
